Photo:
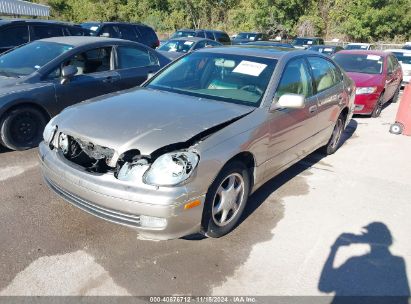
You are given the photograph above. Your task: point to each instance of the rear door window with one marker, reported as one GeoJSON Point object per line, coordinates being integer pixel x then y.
{"type": "Point", "coordinates": [132, 57]}
{"type": "Point", "coordinates": [41, 31]}
{"type": "Point", "coordinates": [390, 65]}
{"type": "Point", "coordinates": [200, 34]}
{"type": "Point", "coordinates": [14, 35]}
{"type": "Point", "coordinates": [127, 32]}
{"type": "Point", "coordinates": [209, 35]}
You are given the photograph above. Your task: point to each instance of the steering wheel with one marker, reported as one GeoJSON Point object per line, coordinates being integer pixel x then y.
{"type": "Point", "coordinates": [252, 88]}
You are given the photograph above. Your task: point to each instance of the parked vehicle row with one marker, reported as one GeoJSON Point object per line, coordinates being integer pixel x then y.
{"type": "Point", "coordinates": [129, 31]}
{"type": "Point", "coordinates": [219, 36]}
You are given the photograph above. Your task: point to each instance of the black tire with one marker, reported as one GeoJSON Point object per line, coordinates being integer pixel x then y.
{"type": "Point", "coordinates": [397, 94]}
{"type": "Point", "coordinates": [22, 128]}
{"type": "Point", "coordinates": [396, 128]}
{"type": "Point", "coordinates": [335, 139]}
{"type": "Point", "coordinates": [378, 107]}
{"type": "Point", "coordinates": [212, 222]}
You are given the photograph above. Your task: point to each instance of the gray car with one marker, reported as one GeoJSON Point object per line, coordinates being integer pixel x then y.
{"type": "Point", "coordinates": [182, 154]}
{"type": "Point", "coordinates": [39, 79]}
{"type": "Point", "coordinates": [175, 48]}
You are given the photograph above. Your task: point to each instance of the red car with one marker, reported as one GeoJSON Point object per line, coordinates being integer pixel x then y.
{"type": "Point", "coordinates": [377, 76]}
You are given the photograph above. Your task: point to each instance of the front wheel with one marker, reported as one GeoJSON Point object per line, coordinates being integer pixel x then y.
{"type": "Point", "coordinates": [378, 107]}
{"type": "Point", "coordinates": [335, 138]}
{"type": "Point", "coordinates": [226, 199]}
{"type": "Point", "coordinates": [22, 128]}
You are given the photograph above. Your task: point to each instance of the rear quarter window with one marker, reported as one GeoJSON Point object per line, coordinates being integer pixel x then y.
{"type": "Point", "coordinates": [148, 34]}
{"type": "Point", "coordinates": [223, 37]}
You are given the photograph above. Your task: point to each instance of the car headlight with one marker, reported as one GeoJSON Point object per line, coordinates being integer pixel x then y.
{"type": "Point", "coordinates": [171, 169]}
{"type": "Point", "coordinates": [365, 90]}
{"type": "Point", "coordinates": [63, 143]}
{"type": "Point", "coordinates": [49, 131]}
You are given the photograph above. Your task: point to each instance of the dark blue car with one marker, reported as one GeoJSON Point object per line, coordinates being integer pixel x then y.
{"type": "Point", "coordinates": [39, 79]}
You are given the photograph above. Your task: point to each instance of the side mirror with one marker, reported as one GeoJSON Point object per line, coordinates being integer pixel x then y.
{"type": "Point", "coordinates": [289, 101]}
{"type": "Point", "coordinates": [67, 73]}
{"type": "Point", "coordinates": [107, 35]}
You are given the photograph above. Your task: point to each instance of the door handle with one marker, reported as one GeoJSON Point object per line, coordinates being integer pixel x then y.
{"type": "Point", "coordinates": [312, 109]}
{"type": "Point", "coordinates": [110, 79]}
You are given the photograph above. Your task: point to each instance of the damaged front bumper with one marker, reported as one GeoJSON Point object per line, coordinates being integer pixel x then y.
{"type": "Point", "coordinates": [156, 212]}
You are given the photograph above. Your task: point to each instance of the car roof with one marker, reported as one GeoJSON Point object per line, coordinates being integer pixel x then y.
{"type": "Point", "coordinates": [324, 46]}
{"type": "Point", "coordinates": [398, 50]}
{"type": "Point", "coordinates": [82, 40]}
{"type": "Point", "coordinates": [309, 38]}
{"type": "Point", "coordinates": [263, 52]}
{"type": "Point", "coordinates": [194, 39]}
{"type": "Point", "coordinates": [10, 21]}
{"type": "Point", "coordinates": [364, 52]}
{"type": "Point", "coordinates": [114, 23]}
{"type": "Point", "coordinates": [358, 43]}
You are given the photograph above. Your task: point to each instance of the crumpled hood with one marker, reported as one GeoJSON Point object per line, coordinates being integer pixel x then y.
{"type": "Point", "coordinates": [367, 80]}
{"type": "Point", "coordinates": [144, 119]}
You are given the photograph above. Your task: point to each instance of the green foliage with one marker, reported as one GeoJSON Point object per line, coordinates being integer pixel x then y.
{"type": "Point", "coordinates": [361, 20]}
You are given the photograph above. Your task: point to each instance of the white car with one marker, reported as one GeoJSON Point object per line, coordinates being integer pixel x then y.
{"type": "Point", "coordinates": [359, 46]}
{"type": "Point", "coordinates": [404, 57]}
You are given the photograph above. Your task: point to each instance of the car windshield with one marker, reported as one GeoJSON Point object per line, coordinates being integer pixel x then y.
{"type": "Point", "coordinates": [30, 57]}
{"type": "Point", "coordinates": [181, 34]}
{"type": "Point", "coordinates": [360, 63]}
{"type": "Point", "coordinates": [302, 41]}
{"type": "Point", "coordinates": [404, 58]}
{"type": "Point", "coordinates": [181, 46]}
{"type": "Point", "coordinates": [356, 47]}
{"type": "Point", "coordinates": [229, 78]}
{"type": "Point", "coordinates": [93, 27]}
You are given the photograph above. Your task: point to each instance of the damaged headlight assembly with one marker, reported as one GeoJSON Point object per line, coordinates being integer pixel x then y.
{"type": "Point", "coordinates": [49, 132]}
{"type": "Point", "coordinates": [169, 169]}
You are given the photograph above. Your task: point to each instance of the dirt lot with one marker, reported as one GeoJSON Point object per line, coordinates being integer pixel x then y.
{"type": "Point", "coordinates": [49, 247]}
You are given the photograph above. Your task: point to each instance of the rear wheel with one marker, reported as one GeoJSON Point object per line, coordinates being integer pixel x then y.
{"type": "Point", "coordinates": [378, 107]}
{"type": "Point", "coordinates": [22, 128]}
{"type": "Point", "coordinates": [335, 138]}
{"type": "Point", "coordinates": [226, 199]}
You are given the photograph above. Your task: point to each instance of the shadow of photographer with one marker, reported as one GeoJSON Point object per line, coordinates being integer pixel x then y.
{"type": "Point", "coordinates": [376, 277]}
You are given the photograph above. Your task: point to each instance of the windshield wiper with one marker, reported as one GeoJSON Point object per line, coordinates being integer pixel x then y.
{"type": "Point", "coordinates": [7, 74]}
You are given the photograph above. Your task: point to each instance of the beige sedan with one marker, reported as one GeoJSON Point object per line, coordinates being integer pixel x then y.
{"type": "Point", "coordinates": [183, 153]}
